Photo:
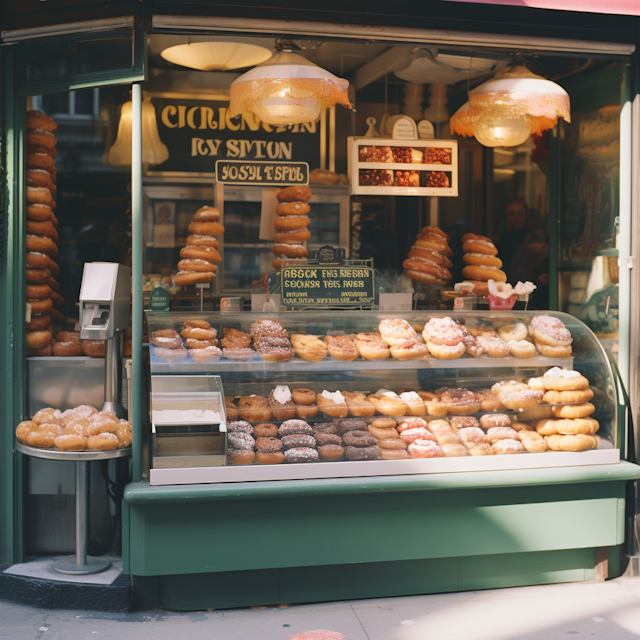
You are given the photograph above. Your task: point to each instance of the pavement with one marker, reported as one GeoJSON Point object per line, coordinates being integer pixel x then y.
{"type": "Point", "coordinates": [602, 610]}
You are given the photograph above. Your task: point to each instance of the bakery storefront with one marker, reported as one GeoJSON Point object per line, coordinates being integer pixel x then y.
{"type": "Point", "coordinates": [356, 294]}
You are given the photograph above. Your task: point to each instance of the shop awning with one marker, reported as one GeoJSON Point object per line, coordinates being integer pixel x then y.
{"type": "Point", "coordinates": [611, 7]}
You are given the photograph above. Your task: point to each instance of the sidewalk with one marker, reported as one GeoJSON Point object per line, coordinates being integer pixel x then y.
{"type": "Point", "coordinates": [600, 610]}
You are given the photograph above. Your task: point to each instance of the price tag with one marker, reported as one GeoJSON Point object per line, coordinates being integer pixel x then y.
{"type": "Point", "coordinates": [262, 173]}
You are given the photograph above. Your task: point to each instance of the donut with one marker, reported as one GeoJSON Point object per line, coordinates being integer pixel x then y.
{"type": "Point", "coordinates": [326, 438]}
{"type": "Point", "coordinates": [391, 443]}
{"type": "Point", "coordinates": [332, 404]}
{"type": "Point", "coordinates": [289, 223]}
{"type": "Point", "coordinates": [290, 250]}
{"type": "Point", "coordinates": [362, 453]}
{"type": "Point", "coordinates": [442, 331]}
{"type": "Point", "coordinates": [285, 209]}
{"type": "Point", "coordinates": [478, 245]}
{"type": "Point", "coordinates": [94, 348]}
{"type": "Point", "coordinates": [237, 353]}
{"type": "Point", "coordinates": [265, 430]}
{"type": "Point", "coordinates": [420, 276]}
{"type": "Point", "coordinates": [309, 348]}
{"type": "Point", "coordinates": [521, 348]}
{"type": "Point", "coordinates": [42, 229]}
{"type": "Point", "coordinates": [24, 429]}
{"type": "Point", "coordinates": [124, 434]}
{"type": "Point", "coordinates": [37, 339]}
{"type": "Point", "coordinates": [460, 402]}
{"type": "Point", "coordinates": [40, 195]}
{"type": "Point", "coordinates": [303, 396]}
{"type": "Point", "coordinates": [169, 355]}
{"type": "Point", "coordinates": [41, 245]}
{"type": "Point", "coordinates": [206, 354]}
{"type": "Point", "coordinates": [305, 411]}
{"type": "Point", "coordinates": [40, 306]}
{"type": "Point", "coordinates": [241, 456]}
{"type": "Point", "coordinates": [358, 404]}
{"type": "Point", "coordinates": [426, 254]}
{"type": "Point", "coordinates": [575, 382]}
{"type": "Point", "coordinates": [501, 433]}
{"type": "Point", "coordinates": [579, 396]}
{"type": "Point", "coordinates": [41, 138]}
{"type": "Point", "coordinates": [350, 425]}
{"type": "Point", "coordinates": [207, 214]}
{"type": "Point", "coordinates": [493, 346]}
{"type": "Point", "coordinates": [325, 427]}
{"type": "Point", "coordinates": [359, 439]}
{"type": "Point", "coordinates": [522, 399]}
{"type": "Point", "coordinates": [274, 457]}
{"type": "Point", "coordinates": [282, 407]}
{"type": "Point", "coordinates": [39, 212]}
{"type": "Point", "coordinates": [66, 348]}
{"type": "Point", "coordinates": [44, 436]}
{"type": "Point", "coordinates": [38, 323]}
{"type": "Point", "coordinates": [508, 446]}
{"type": "Point", "coordinates": [575, 426]}
{"type": "Point", "coordinates": [239, 440]}
{"type": "Point", "coordinates": [196, 333]}
{"type": "Point", "coordinates": [43, 352]}
{"type": "Point", "coordinates": [269, 444]}
{"type": "Point", "coordinates": [371, 346]}
{"type": "Point", "coordinates": [200, 344]}
{"type": "Point", "coordinates": [187, 278]}
{"type": "Point", "coordinates": [394, 454]}
{"type": "Point", "coordinates": [341, 348]}
{"type": "Point", "coordinates": [433, 243]}
{"type": "Point", "coordinates": [553, 352]}
{"type": "Point", "coordinates": [480, 288]}
{"type": "Point", "coordinates": [396, 330]}
{"type": "Point", "coordinates": [35, 148]}
{"type": "Point", "coordinates": [39, 120]}
{"type": "Point", "coordinates": [41, 161]}
{"type": "Point", "coordinates": [198, 324]}
{"type": "Point", "coordinates": [291, 427]}
{"type": "Point", "coordinates": [166, 338]}
{"type": "Point", "coordinates": [488, 401]}
{"type": "Point", "coordinates": [495, 420]}
{"type": "Point", "coordinates": [550, 331]}
{"type": "Point", "coordinates": [483, 273]}
{"type": "Point", "coordinates": [293, 194]}
{"type": "Point", "coordinates": [581, 442]}
{"type": "Point", "coordinates": [77, 413]}
{"type": "Point", "coordinates": [103, 442]}
{"type": "Point", "coordinates": [270, 328]}
{"type": "Point", "coordinates": [383, 433]}
{"type": "Point", "coordinates": [301, 454]}
{"type": "Point", "coordinates": [39, 178]}
{"type": "Point", "coordinates": [425, 231]}
{"type": "Point", "coordinates": [40, 276]}
{"type": "Point", "coordinates": [254, 408]}
{"type": "Point", "coordinates": [70, 442]}
{"type": "Point", "coordinates": [240, 426]}
{"type": "Point", "coordinates": [482, 259]}
{"type": "Point", "coordinates": [515, 331]}
{"type": "Point", "coordinates": [197, 265]}
{"type": "Point", "coordinates": [444, 352]}
{"type": "Point", "coordinates": [532, 441]}
{"type": "Point", "coordinates": [331, 452]}
{"type": "Point", "coordinates": [196, 240]}
{"type": "Point", "coordinates": [388, 405]}
{"type": "Point", "coordinates": [206, 228]}
{"type": "Point", "coordinates": [464, 422]}
{"type": "Point", "coordinates": [297, 440]}
{"type": "Point", "coordinates": [410, 350]}
{"type": "Point", "coordinates": [295, 235]}
{"type": "Point", "coordinates": [37, 260]}
{"type": "Point", "coordinates": [201, 253]}
{"type": "Point", "coordinates": [274, 349]}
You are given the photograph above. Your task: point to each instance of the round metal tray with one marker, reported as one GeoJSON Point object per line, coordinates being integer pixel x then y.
{"type": "Point", "coordinates": [56, 454]}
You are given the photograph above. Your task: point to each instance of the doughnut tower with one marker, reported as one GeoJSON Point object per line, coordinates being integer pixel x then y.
{"type": "Point", "coordinates": [291, 224]}
{"type": "Point", "coordinates": [428, 260]}
{"type": "Point", "coordinates": [482, 263]}
{"type": "Point", "coordinates": [200, 256]}
{"type": "Point", "coordinates": [41, 287]}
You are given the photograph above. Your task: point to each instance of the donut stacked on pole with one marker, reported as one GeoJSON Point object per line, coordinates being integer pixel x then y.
{"type": "Point", "coordinates": [41, 241]}
{"type": "Point", "coordinates": [291, 224]}
{"type": "Point", "coordinates": [481, 263]}
{"type": "Point", "coordinates": [429, 258]}
{"type": "Point", "coordinates": [200, 256]}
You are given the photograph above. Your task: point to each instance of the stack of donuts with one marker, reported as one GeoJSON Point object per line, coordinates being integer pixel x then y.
{"type": "Point", "coordinates": [200, 256]}
{"type": "Point", "coordinates": [482, 263]}
{"type": "Point", "coordinates": [429, 258]}
{"type": "Point", "coordinates": [291, 224]}
{"type": "Point", "coordinates": [42, 287]}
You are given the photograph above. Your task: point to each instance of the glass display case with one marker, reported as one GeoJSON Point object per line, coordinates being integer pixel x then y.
{"type": "Point", "coordinates": [394, 411]}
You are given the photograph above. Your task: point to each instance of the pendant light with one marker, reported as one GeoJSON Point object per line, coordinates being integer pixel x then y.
{"type": "Point", "coordinates": [514, 104]}
{"type": "Point", "coordinates": [216, 55]}
{"type": "Point", "coordinates": [154, 151]}
{"type": "Point", "coordinates": [287, 89]}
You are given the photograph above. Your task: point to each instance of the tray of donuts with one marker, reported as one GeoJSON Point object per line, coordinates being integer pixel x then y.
{"type": "Point", "coordinates": [41, 235]}
{"type": "Point", "coordinates": [78, 429]}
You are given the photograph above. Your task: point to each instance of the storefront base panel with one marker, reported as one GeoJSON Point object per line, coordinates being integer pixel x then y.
{"type": "Point", "coordinates": [366, 580]}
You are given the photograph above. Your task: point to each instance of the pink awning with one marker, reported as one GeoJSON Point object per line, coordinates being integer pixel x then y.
{"type": "Point", "coordinates": [613, 7]}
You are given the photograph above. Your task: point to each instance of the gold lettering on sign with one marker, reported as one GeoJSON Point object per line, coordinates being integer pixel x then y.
{"type": "Point", "coordinates": [169, 110]}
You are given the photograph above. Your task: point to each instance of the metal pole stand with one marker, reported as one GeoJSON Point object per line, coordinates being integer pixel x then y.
{"type": "Point", "coordinates": [202, 286]}
{"type": "Point", "coordinates": [81, 564]}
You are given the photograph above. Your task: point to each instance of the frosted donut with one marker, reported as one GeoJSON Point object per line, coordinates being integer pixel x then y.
{"type": "Point", "coordinates": [427, 254]}
{"type": "Point", "coordinates": [573, 383]}
{"type": "Point", "coordinates": [40, 276]}
{"type": "Point", "coordinates": [202, 241]}
{"type": "Point", "coordinates": [207, 214]}
{"type": "Point", "coordinates": [553, 352]}
{"type": "Point", "coordinates": [293, 194]}
{"type": "Point", "coordinates": [291, 250]}
{"type": "Point", "coordinates": [478, 272]}
{"type": "Point", "coordinates": [515, 331]}
{"type": "Point", "coordinates": [40, 306]}
{"type": "Point", "coordinates": [39, 120]}
{"type": "Point", "coordinates": [550, 330]}
{"type": "Point", "coordinates": [39, 212]}
{"type": "Point", "coordinates": [521, 348]}
{"type": "Point", "coordinates": [37, 339]}
{"type": "Point", "coordinates": [420, 276]}
{"type": "Point", "coordinates": [195, 333]}
{"type": "Point", "coordinates": [167, 338]}
{"type": "Point", "coordinates": [196, 264]}
{"type": "Point", "coordinates": [292, 208]}
{"type": "Point", "coordinates": [290, 223]}
{"type": "Point", "coordinates": [201, 253]}
{"type": "Point", "coordinates": [38, 260]}
{"type": "Point", "coordinates": [434, 239]}
{"type": "Point", "coordinates": [295, 235]}
{"type": "Point", "coordinates": [70, 442]}
{"type": "Point", "coordinates": [41, 161]}
{"type": "Point", "coordinates": [443, 331]}
{"type": "Point", "coordinates": [480, 288]}
{"type": "Point", "coordinates": [38, 323]}
{"type": "Point", "coordinates": [485, 247]}
{"type": "Point", "coordinates": [396, 330]}
{"type": "Point", "coordinates": [186, 278]}
{"type": "Point", "coordinates": [103, 442]}
{"type": "Point", "coordinates": [40, 195]}
{"type": "Point", "coordinates": [124, 434]}
{"type": "Point", "coordinates": [409, 436]}
{"type": "Point", "coordinates": [464, 422]}
{"type": "Point", "coordinates": [206, 228]}
{"type": "Point", "coordinates": [488, 401]}
{"type": "Point", "coordinates": [41, 138]}
{"type": "Point", "coordinates": [445, 352]}
{"type": "Point", "coordinates": [568, 397]}
{"type": "Point", "coordinates": [482, 259]}
{"type": "Point", "coordinates": [66, 349]}
{"type": "Point", "coordinates": [42, 229]}
{"type": "Point", "coordinates": [48, 415]}
{"type": "Point", "coordinates": [493, 346]}
{"type": "Point", "coordinates": [41, 245]}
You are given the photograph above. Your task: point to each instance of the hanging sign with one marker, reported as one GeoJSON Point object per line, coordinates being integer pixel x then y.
{"type": "Point", "coordinates": [240, 172]}
{"type": "Point", "coordinates": [200, 132]}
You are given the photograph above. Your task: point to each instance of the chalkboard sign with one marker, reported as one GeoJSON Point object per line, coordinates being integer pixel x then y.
{"type": "Point", "coordinates": [200, 132]}
{"type": "Point", "coordinates": [261, 173]}
{"type": "Point", "coordinates": [318, 286]}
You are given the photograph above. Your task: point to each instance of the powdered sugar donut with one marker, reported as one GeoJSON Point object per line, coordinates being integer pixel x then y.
{"type": "Point", "coordinates": [482, 259]}
{"type": "Point", "coordinates": [424, 449]}
{"type": "Point", "coordinates": [514, 331]}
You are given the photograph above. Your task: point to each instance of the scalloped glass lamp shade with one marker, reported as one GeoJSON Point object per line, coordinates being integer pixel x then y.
{"type": "Point", "coordinates": [154, 151]}
{"type": "Point", "coordinates": [287, 89]}
{"type": "Point", "coordinates": [216, 56]}
{"type": "Point", "coordinates": [505, 110]}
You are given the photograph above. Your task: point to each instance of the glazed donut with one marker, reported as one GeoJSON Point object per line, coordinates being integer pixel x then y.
{"type": "Point", "coordinates": [195, 333]}
{"type": "Point", "coordinates": [290, 250]}
{"type": "Point", "coordinates": [420, 276]}
{"type": "Point", "coordinates": [359, 439]}
{"type": "Point", "coordinates": [292, 209]}
{"type": "Point", "coordinates": [38, 260]}
{"type": "Point", "coordinates": [362, 453]}
{"type": "Point", "coordinates": [514, 331]}
{"type": "Point", "coordinates": [482, 259]}
{"type": "Point", "coordinates": [293, 194]}
{"type": "Point", "coordinates": [42, 229]}
{"type": "Point", "coordinates": [196, 240]}
{"type": "Point", "coordinates": [68, 336]}
{"type": "Point", "coordinates": [38, 339]}
{"type": "Point", "coordinates": [198, 324]}
{"type": "Point", "coordinates": [66, 348]}
{"type": "Point", "coordinates": [41, 245]}
{"type": "Point", "coordinates": [273, 457]}
{"type": "Point", "coordinates": [40, 195]}
{"type": "Point", "coordinates": [206, 228]}
{"type": "Point", "coordinates": [201, 253]}
{"type": "Point", "coordinates": [39, 212]}
{"type": "Point", "coordinates": [39, 120]}
{"type": "Point", "coordinates": [493, 346]}
{"type": "Point", "coordinates": [38, 323]}
{"type": "Point", "coordinates": [207, 214]}
{"type": "Point", "coordinates": [433, 231]}
{"type": "Point", "coordinates": [40, 306]}
{"type": "Point", "coordinates": [427, 254]}
{"type": "Point", "coordinates": [424, 265]}
{"type": "Point", "coordinates": [574, 426]}
{"type": "Point", "coordinates": [489, 421]}
{"type": "Point", "coordinates": [579, 396]}
{"type": "Point", "coordinates": [309, 348]}
{"type": "Point", "coordinates": [580, 442]}
{"type": "Point", "coordinates": [42, 161]}
{"type": "Point", "coordinates": [70, 442]}
{"type": "Point", "coordinates": [289, 223]}
{"type": "Point", "coordinates": [41, 138]}
{"type": "Point", "coordinates": [94, 348]}
{"type": "Point", "coordinates": [434, 239]}
{"type": "Point", "coordinates": [478, 272]}
{"type": "Point", "coordinates": [521, 348]}
{"type": "Point", "coordinates": [305, 411]}
{"type": "Point", "coordinates": [56, 298]}
{"type": "Point", "coordinates": [330, 407]}
{"type": "Point", "coordinates": [254, 408]}
{"type": "Point", "coordinates": [479, 244]}
{"type": "Point", "coordinates": [383, 433]}
{"type": "Point", "coordinates": [331, 452]}
{"type": "Point", "coordinates": [303, 396]}
{"type": "Point", "coordinates": [553, 352]}
{"type": "Point", "coordinates": [103, 442]}
{"type": "Point", "coordinates": [274, 349]}
{"type": "Point", "coordinates": [460, 402]}
{"type": "Point", "coordinates": [38, 275]}
{"type": "Point", "coordinates": [186, 278]}
{"type": "Point", "coordinates": [433, 244]}
{"type": "Point", "coordinates": [388, 405]}
{"type": "Point", "coordinates": [295, 235]}
{"type": "Point", "coordinates": [200, 344]}
{"type": "Point", "coordinates": [241, 456]}
{"type": "Point", "coordinates": [391, 443]}
{"type": "Point", "coordinates": [203, 266]}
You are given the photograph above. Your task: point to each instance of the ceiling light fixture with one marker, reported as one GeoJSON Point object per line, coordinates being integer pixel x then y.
{"type": "Point", "coordinates": [514, 104]}
{"type": "Point", "coordinates": [216, 56]}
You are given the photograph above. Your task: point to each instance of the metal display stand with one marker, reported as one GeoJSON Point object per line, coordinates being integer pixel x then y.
{"type": "Point", "coordinates": [80, 564]}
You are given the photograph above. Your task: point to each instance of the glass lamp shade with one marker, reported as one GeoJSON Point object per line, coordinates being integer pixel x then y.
{"type": "Point", "coordinates": [500, 110]}
{"type": "Point", "coordinates": [154, 151]}
{"type": "Point", "coordinates": [216, 56]}
{"type": "Point", "coordinates": [287, 89]}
